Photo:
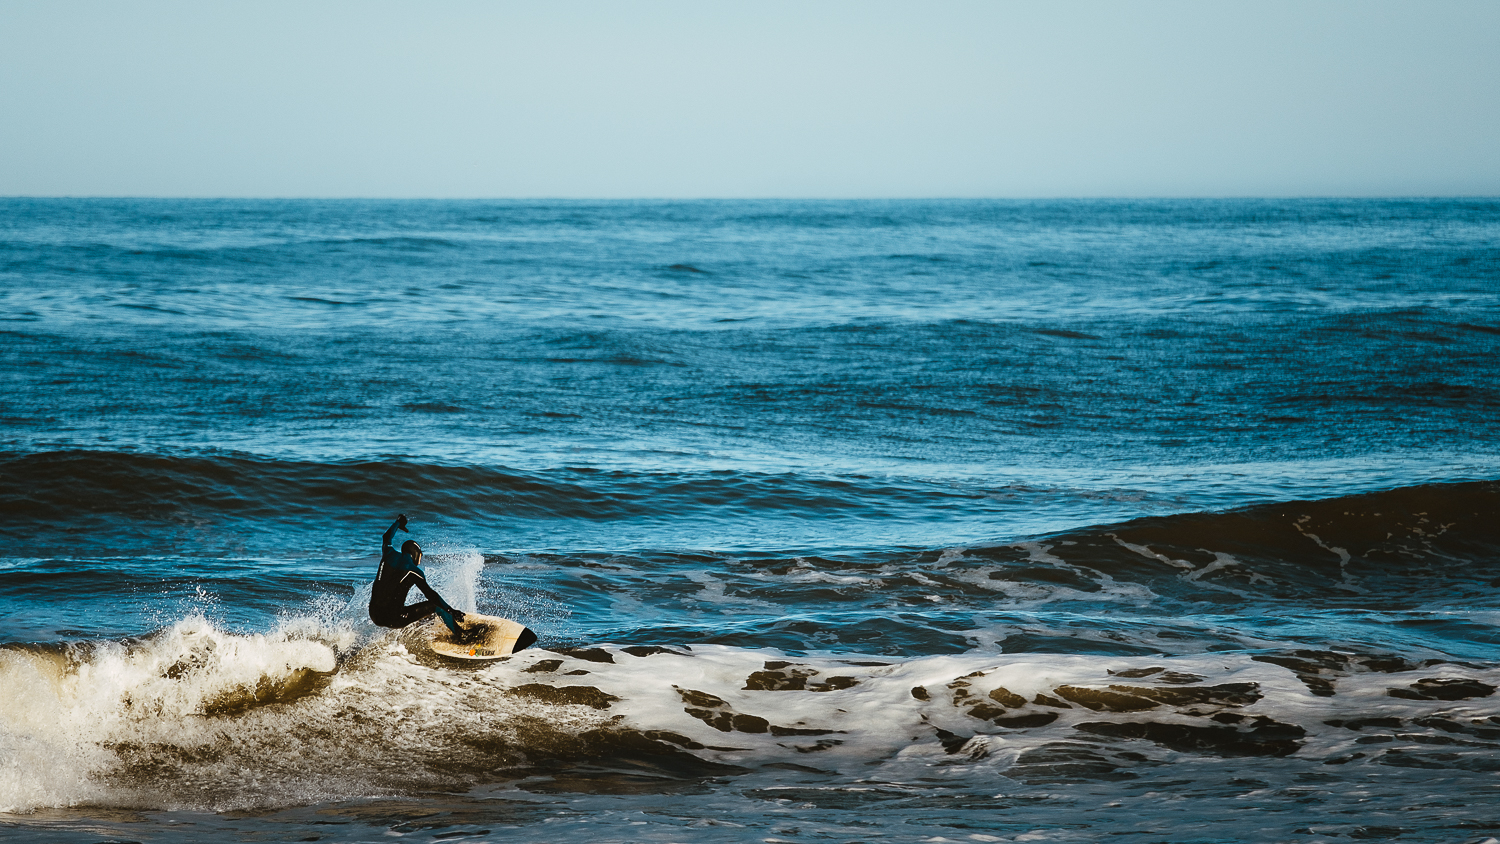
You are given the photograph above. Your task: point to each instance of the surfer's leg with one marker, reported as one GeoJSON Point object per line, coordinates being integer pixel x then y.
{"type": "Point", "coordinates": [416, 612]}
{"type": "Point", "coordinates": [411, 614]}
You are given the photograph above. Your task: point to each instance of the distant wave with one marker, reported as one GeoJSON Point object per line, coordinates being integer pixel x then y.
{"type": "Point", "coordinates": [1438, 539]}
{"type": "Point", "coordinates": [60, 486]}
{"type": "Point", "coordinates": [267, 250]}
{"type": "Point", "coordinates": [400, 242]}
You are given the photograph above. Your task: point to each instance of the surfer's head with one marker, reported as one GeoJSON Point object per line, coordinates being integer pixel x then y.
{"type": "Point", "coordinates": [412, 549]}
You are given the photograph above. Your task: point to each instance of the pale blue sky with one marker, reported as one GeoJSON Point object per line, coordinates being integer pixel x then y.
{"type": "Point", "coordinates": [719, 99]}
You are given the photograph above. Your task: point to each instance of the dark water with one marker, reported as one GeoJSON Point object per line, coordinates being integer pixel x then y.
{"type": "Point", "coordinates": [847, 521]}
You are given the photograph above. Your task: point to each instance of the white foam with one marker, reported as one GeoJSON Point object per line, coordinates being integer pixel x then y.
{"type": "Point", "coordinates": [1146, 552]}
{"type": "Point", "coordinates": [58, 713]}
{"type": "Point", "coordinates": [805, 572]}
{"type": "Point", "coordinates": [20, 562]}
{"type": "Point", "coordinates": [1347, 579]}
{"type": "Point", "coordinates": [1025, 594]}
{"type": "Point", "coordinates": [949, 556]}
{"type": "Point", "coordinates": [713, 592]}
{"type": "Point", "coordinates": [135, 724]}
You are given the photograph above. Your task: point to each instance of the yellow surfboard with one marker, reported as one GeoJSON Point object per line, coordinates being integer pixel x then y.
{"type": "Point", "coordinates": [492, 637]}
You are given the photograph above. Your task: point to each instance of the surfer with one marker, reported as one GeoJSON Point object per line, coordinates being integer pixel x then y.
{"type": "Point", "coordinates": [399, 571]}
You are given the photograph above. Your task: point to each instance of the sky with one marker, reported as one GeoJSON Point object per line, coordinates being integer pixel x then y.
{"type": "Point", "coordinates": [1064, 98]}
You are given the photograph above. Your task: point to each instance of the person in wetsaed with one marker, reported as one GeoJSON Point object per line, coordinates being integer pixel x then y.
{"type": "Point", "coordinates": [399, 572]}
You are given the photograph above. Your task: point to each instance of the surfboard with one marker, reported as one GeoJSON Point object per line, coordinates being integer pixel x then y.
{"type": "Point", "coordinates": [496, 637]}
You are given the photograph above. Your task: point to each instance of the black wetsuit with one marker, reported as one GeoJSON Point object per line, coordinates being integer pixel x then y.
{"type": "Point", "coordinates": [398, 573]}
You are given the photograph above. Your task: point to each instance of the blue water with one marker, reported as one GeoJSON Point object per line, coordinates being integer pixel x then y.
{"type": "Point", "coordinates": [898, 521]}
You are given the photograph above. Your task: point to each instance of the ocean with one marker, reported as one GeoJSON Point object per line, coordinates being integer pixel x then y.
{"type": "Point", "coordinates": [875, 521]}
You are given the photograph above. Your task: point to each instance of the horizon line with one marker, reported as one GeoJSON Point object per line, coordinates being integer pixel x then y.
{"type": "Point", "coordinates": [543, 198]}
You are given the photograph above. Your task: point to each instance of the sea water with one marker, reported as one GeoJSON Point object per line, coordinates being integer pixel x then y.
{"type": "Point", "coordinates": [838, 521]}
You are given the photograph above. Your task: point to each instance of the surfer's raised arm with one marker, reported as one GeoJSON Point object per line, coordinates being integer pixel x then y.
{"type": "Point", "coordinates": [391, 533]}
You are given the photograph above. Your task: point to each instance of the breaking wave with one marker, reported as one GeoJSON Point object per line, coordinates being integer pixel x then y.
{"type": "Point", "coordinates": [193, 717]}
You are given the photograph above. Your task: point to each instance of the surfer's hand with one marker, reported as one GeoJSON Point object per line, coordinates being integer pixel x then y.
{"type": "Point", "coordinates": [401, 522]}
